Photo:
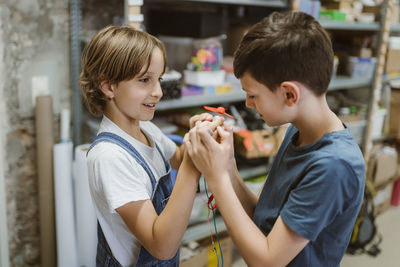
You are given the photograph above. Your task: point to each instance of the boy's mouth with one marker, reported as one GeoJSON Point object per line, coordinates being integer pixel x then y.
{"type": "Point", "coordinates": [152, 106]}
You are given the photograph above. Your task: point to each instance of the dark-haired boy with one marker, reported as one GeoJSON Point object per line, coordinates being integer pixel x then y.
{"type": "Point", "coordinates": [304, 215]}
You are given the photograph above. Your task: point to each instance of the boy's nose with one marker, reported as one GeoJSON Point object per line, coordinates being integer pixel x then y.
{"type": "Point", "coordinates": [157, 92]}
{"type": "Point", "coordinates": [249, 103]}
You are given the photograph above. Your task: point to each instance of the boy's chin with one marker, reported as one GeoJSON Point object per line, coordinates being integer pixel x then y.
{"type": "Point", "coordinates": [272, 124]}
{"type": "Point", "coordinates": [148, 117]}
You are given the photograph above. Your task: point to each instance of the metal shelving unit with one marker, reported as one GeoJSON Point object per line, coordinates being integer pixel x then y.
{"type": "Point", "coordinates": [337, 83]}
{"type": "Point", "coordinates": [343, 82]}
{"type": "Point", "coordinates": [354, 26]}
{"type": "Point", "coordinates": [260, 3]}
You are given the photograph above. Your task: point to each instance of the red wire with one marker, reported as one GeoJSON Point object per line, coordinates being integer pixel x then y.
{"type": "Point", "coordinates": [208, 218]}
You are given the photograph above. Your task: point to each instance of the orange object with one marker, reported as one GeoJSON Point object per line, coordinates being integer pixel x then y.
{"type": "Point", "coordinates": [247, 138]}
{"type": "Point", "coordinates": [219, 110]}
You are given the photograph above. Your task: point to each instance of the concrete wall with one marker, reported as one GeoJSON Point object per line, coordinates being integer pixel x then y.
{"type": "Point", "coordinates": [35, 54]}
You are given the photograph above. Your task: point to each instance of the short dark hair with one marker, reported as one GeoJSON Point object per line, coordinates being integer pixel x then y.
{"type": "Point", "coordinates": [290, 46]}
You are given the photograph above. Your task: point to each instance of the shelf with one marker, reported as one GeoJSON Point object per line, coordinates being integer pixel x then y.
{"type": "Point", "coordinates": [350, 26]}
{"type": "Point", "coordinates": [190, 101]}
{"type": "Point", "coordinates": [395, 28]}
{"type": "Point", "coordinates": [262, 3]}
{"type": "Point", "coordinates": [344, 82]}
{"type": "Point", "coordinates": [340, 82]}
{"type": "Point", "coordinates": [380, 138]}
{"type": "Point", "coordinates": [246, 173]}
{"type": "Point", "coordinates": [202, 230]}
{"type": "Point", "coordinates": [388, 79]}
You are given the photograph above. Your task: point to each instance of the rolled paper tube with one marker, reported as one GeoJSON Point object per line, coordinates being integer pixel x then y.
{"type": "Point", "coordinates": [44, 155]}
{"type": "Point", "coordinates": [67, 254]}
{"type": "Point", "coordinates": [86, 221]}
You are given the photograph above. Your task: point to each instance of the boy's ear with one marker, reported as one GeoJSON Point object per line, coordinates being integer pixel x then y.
{"type": "Point", "coordinates": [107, 88]}
{"type": "Point", "coordinates": [291, 93]}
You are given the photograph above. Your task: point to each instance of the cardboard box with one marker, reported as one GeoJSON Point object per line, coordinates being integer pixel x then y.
{"type": "Point", "coordinates": [382, 198]}
{"type": "Point", "coordinates": [259, 143]}
{"type": "Point", "coordinates": [394, 116]}
{"type": "Point", "coordinates": [254, 144]}
{"type": "Point", "coordinates": [199, 259]}
{"type": "Point", "coordinates": [395, 15]}
{"type": "Point", "coordinates": [205, 255]}
{"type": "Point", "coordinates": [227, 250]}
{"type": "Point", "coordinates": [342, 6]}
{"type": "Point", "coordinates": [362, 52]}
{"type": "Point", "coordinates": [376, 10]}
{"type": "Point", "coordinates": [392, 61]}
{"type": "Point", "coordinates": [382, 166]}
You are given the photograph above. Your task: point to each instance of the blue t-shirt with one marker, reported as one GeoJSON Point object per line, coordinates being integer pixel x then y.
{"type": "Point", "coordinates": [317, 190]}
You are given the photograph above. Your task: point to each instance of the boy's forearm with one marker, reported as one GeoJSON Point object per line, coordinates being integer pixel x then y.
{"type": "Point", "coordinates": [177, 159]}
{"type": "Point", "coordinates": [171, 224]}
{"type": "Point", "coordinates": [245, 196]}
{"type": "Point", "coordinates": [250, 241]}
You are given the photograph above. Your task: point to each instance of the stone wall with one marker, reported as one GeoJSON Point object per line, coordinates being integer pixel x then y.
{"type": "Point", "coordinates": [35, 43]}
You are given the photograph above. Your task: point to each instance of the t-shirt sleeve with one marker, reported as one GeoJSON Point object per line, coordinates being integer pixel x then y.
{"type": "Point", "coordinates": [119, 178]}
{"type": "Point", "coordinates": [318, 198]}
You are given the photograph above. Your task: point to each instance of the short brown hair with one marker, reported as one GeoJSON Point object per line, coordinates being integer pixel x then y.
{"type": "Point", "coordinates": [289, 46]}
{"type": "Point", "coordinates": [115, 54]}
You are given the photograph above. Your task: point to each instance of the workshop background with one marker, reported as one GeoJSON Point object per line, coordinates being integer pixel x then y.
{"type": "Point", "coordinates": [45, 128]}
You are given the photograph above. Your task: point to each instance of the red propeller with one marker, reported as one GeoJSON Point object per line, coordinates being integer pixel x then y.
{"type": "Point", "coordinates": [219, 110]}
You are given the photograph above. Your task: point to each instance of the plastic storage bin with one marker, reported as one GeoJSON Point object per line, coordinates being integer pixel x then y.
{"type": "Point", "coordinates": [377, 123]}
{"type": "Point", "coordinates": [361, 67]}
{"type": "Point", "coordinates": [204, 78]}
{"type": "Point", "coordinates": [357, 129]}
{"type": "Point", "coordinates": [179, 51]}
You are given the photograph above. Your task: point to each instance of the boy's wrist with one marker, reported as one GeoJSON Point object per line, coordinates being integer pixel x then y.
{"type": "Point", "coordinates": [188, 165]}
{"type": "Point", "coordinates": [218, 181]}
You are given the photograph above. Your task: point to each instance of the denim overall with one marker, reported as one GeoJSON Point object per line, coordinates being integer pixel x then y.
{"type": "Point", "coordinates": [160, 195]}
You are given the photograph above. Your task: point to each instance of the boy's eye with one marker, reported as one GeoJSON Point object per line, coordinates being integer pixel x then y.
{"type": "Point", "coordinates": [144, 80]}
{"type": "Point", "coordinates": [251, 96]}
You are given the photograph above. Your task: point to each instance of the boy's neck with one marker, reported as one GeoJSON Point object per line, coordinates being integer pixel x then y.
{"type": "Point", "coordinates": [131, 127]}
{"type": "Point", "coordinates": [316, 120]}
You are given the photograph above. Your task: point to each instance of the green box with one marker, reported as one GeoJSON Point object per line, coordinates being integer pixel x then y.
{"type": "Point", "coordinates": [334, 15]}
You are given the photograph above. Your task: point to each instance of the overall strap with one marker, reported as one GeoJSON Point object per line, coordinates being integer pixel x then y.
{"type": "Point", "coordinates": [115, 139]}
{"type": "Point", "coordinates": [166, 163]}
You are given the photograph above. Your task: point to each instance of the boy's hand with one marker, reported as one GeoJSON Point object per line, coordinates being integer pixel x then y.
{"type": "Point", "coordinates": [187, 161]}
{"type": "Point", "coordinates": [211, 157]}
{"type": "Point", "coordinates": [208, 120]}
{"type": "Point", "coordinates": [200, 118]}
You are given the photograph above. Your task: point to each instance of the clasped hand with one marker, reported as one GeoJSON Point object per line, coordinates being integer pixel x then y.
{"type": "Point", "coordinates": [210, 146]}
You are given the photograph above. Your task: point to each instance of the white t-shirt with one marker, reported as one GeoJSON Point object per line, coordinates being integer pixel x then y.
{"type": "Point", "coordinates": [115, 179]}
